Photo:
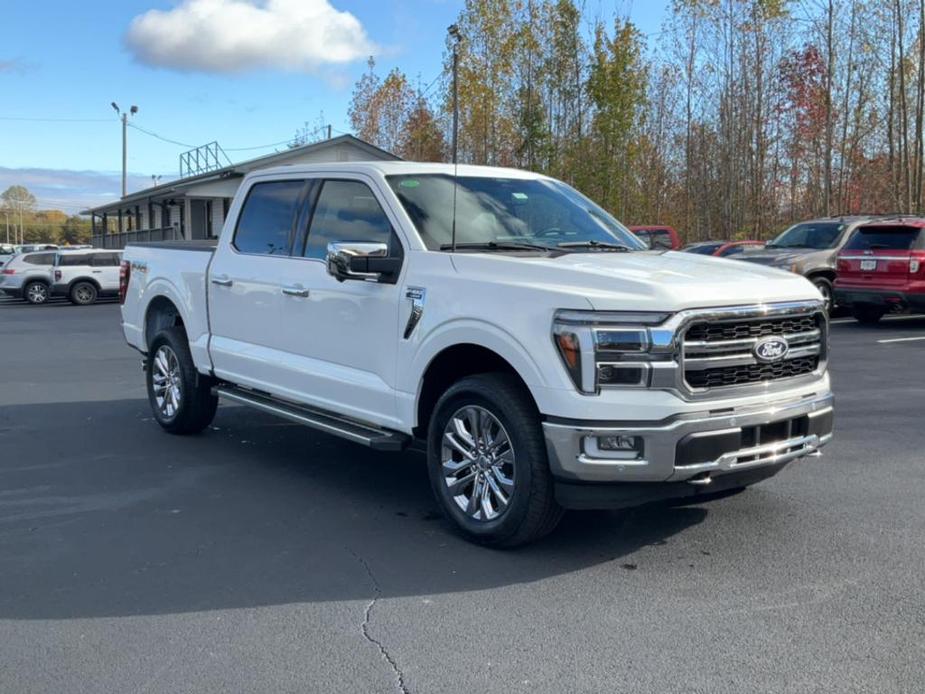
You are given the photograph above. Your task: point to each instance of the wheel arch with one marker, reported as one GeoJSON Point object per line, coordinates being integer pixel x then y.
{"type": "Point", "coordinates": [824, 273]}
{"type": "Point", "coordinates": [161, 312]}
{"type": "Point", "coordinates": [451, 364]}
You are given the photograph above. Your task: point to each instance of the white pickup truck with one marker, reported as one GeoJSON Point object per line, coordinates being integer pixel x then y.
{"type": "Point", "coordinates": [544, 356]}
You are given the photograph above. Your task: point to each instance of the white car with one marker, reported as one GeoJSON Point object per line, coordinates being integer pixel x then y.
{"type": "Point", "coordinates": [85, 275]}
{"type": "Point", "coordinates": [545, 357]}
{"type": "Point", "coordinates": [28, 276]}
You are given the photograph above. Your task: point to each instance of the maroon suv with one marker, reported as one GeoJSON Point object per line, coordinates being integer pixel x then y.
{"type": "Point", "coordinates": [882, 268]}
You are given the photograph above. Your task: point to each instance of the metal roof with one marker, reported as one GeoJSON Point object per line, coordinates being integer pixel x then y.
{"type": "Point", "coordinates": [236, 170]}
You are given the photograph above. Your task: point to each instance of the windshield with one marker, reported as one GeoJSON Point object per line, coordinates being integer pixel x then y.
{"type": "Point", "coordinates": [502, 211]}
{"type": "Point", "coordinates": [816, 235]}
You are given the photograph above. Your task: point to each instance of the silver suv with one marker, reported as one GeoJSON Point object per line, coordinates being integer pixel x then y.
{"type": "Point", "coordinates": [810, 249]}
{"type": "Point", "coordinates": [28, 276]}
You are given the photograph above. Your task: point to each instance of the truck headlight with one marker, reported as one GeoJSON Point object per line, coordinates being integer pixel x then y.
{"type": "Point", "coordinates": [611, 348]}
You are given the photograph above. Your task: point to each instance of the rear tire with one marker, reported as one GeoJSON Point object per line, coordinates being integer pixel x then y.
{"type": "Point", "coordinates": [869, 315]}
{"type": "Point", "coordinates": [496, 441]}
{"type": "Point", "coordinates": [35, 293]}
{"type": "Point", "coordinates": [83, 294]}
{"type": "Point", "coordinates": [180, 397]}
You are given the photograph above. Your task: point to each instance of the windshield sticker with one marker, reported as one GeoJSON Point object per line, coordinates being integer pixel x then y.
{"type": "Point", "coordinates": [519, 196]}
{"type": "Point", "coordinates": [410, 183]}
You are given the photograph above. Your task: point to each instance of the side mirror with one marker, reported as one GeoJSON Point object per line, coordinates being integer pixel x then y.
{"type": "Point", "coordinates": [361, 260]}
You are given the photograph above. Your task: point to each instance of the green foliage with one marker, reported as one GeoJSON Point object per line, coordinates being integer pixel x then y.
{"type": "Point", "coordinates": [38, 226]}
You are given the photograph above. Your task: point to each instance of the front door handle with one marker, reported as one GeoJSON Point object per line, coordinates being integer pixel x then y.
{"type": "Point", "coordinates": [295, 290]}
{"type": "Point", "coordinates": [222, 280]}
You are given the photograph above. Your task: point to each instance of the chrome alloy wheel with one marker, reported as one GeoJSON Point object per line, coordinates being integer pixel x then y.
{"type": "Point", "coordinates": [165, 380]}
{"type": "Point", "coordinates": [478, 463]}
{"type": "Point", "coordinates": [37, 293]}
{"type": "Point", "coordinates": [84, 294]}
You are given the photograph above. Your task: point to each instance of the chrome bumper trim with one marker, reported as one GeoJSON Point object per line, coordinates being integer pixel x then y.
{"type": "Point", "coordinates": [568, 460]}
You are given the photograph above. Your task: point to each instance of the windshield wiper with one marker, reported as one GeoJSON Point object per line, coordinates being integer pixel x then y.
{"type": "Point", "coordinates": [496, 246]}
{"type": "Point", "coordinates": [596, 245]}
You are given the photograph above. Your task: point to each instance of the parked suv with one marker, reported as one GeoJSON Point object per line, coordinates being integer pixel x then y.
{"type": "Point", "coordinates": [83, 276]}
{"type": "Point", "coordinates": [809, 249]}
{"type": "Point", "coordinates": [28, 276]}
{"type": "Point", "coordinates": [882, 268]}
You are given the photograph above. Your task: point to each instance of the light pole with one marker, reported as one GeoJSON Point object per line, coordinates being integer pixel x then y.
{"type": "Point", "coordinates": [453, 31]}
{"type": "Point", "coordinates": [124, 116]}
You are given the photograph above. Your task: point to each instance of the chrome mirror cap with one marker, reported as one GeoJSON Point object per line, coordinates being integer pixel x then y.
{"type": "Point", "coordinates": [342, 259]}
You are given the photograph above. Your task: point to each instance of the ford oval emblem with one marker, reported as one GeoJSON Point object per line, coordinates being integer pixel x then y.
{"type": "Point", "coordinates": [773, 348]}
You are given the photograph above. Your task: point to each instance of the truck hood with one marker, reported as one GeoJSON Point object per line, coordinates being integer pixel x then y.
{"type": "Point", "coordinates": [644, 280]}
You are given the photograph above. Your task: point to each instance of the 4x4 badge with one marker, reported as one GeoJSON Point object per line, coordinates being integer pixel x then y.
{"type": "Point", "coordinates": [770, 349]}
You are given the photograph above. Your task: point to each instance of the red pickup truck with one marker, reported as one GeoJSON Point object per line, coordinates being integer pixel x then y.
{"type": "Point", "coordinates": [658, 237]}
{"type": "Point", "coordinates": [882, 268]}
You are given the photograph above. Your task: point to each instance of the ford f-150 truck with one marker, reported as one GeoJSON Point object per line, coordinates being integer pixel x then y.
{"type": "Point", "coordinates": [544, 356]}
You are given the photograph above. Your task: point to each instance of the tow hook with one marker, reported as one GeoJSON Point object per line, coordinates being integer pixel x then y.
{"type": "Point", "coordinates": [702, 480]}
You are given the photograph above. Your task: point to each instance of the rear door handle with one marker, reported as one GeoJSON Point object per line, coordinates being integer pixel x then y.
{"type": "Point", "coordinates": [295, 290]}
{"type": "Point", "coordinates": [222, 280]}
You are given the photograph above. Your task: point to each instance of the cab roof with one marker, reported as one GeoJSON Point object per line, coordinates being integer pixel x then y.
{"type": "Point", "coordinates": [395, 168]}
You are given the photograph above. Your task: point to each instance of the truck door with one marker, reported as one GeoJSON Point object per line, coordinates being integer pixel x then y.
{"type": "Point", "coordinates": [343, 336]}
{"type": "Point", "coordinates": [251, 267]}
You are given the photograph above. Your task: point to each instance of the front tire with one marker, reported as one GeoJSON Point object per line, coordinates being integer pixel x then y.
{"type": "Point", "coordinates": [35, 293]}
{"type": "Point", "coordinates": [180, 397]}
{"type": "Point", "coordinates": [487, 461]}
{"type": "Point", "coordinates": [83, 294]}
{"type": "Point", "coordinates": [869, 315]}
{"type": "Point", "coordinates": [825, 288]}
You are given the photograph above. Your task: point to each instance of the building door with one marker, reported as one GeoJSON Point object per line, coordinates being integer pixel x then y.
{"type": "Point", "coordinates": [198, 219]}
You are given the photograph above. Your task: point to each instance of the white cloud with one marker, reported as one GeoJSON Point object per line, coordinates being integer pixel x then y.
{"type": "Point", "coordinates": [228, 36]}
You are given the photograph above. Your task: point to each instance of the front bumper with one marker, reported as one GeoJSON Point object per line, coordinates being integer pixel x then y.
{"type": "Point", "coordinates": [692, 449]}
{"type": "Point", "coordinates": [884, 298]}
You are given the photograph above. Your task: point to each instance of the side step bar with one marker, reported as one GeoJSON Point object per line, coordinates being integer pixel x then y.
{"type": "Point", "coordinates": [366, 434]}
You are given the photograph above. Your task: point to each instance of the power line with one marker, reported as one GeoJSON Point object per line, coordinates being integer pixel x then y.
{"type": "Point", "coordinates": [160, 137]}
{"type": "Point", "coordinates": [245, 149]}
{"type": "Point", "coordinates": [56, 120]}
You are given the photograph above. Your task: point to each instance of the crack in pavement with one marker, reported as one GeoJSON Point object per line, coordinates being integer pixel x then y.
{"type": "Point", "coordinates": [364, 627]}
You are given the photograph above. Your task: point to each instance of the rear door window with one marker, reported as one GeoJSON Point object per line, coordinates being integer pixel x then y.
{"type": "Point", "coordinates": [73, 260]}
{"type": "Point", "coordinates": [884, 238]}
{"type": "Point", "coordinates": [39, 259]}
{"type": "Point", "coordinates": [267, 218]}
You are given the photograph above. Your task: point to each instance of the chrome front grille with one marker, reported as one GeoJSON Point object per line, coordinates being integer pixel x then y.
{"type": "Point", "coordinates": [719, 353]}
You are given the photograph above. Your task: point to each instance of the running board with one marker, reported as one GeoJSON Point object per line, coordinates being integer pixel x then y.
{"type": "Point", "coordinates": [366, 434]}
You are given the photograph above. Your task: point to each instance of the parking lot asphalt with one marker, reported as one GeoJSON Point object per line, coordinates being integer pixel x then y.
{"type": "Point", "coordinates": [262, 556]}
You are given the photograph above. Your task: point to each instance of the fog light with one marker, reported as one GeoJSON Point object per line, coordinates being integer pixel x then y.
{"type": "Point", "coordinates": [619, 443]}
{"type": "Point", "coordinates": [617, 375]}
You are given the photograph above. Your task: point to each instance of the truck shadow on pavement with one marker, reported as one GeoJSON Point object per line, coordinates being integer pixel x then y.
{"type": "Point", "coordinates": [103, 514]}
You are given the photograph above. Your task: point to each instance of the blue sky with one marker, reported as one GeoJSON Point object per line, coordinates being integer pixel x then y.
{"type": "Point", "coordinates": [243, 72]}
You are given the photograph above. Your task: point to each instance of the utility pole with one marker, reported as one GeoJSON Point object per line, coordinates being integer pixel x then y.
{"type": "Point", "coordinates": [124, 117]}
{"type": "Point", "coordinates": [453, 31]}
